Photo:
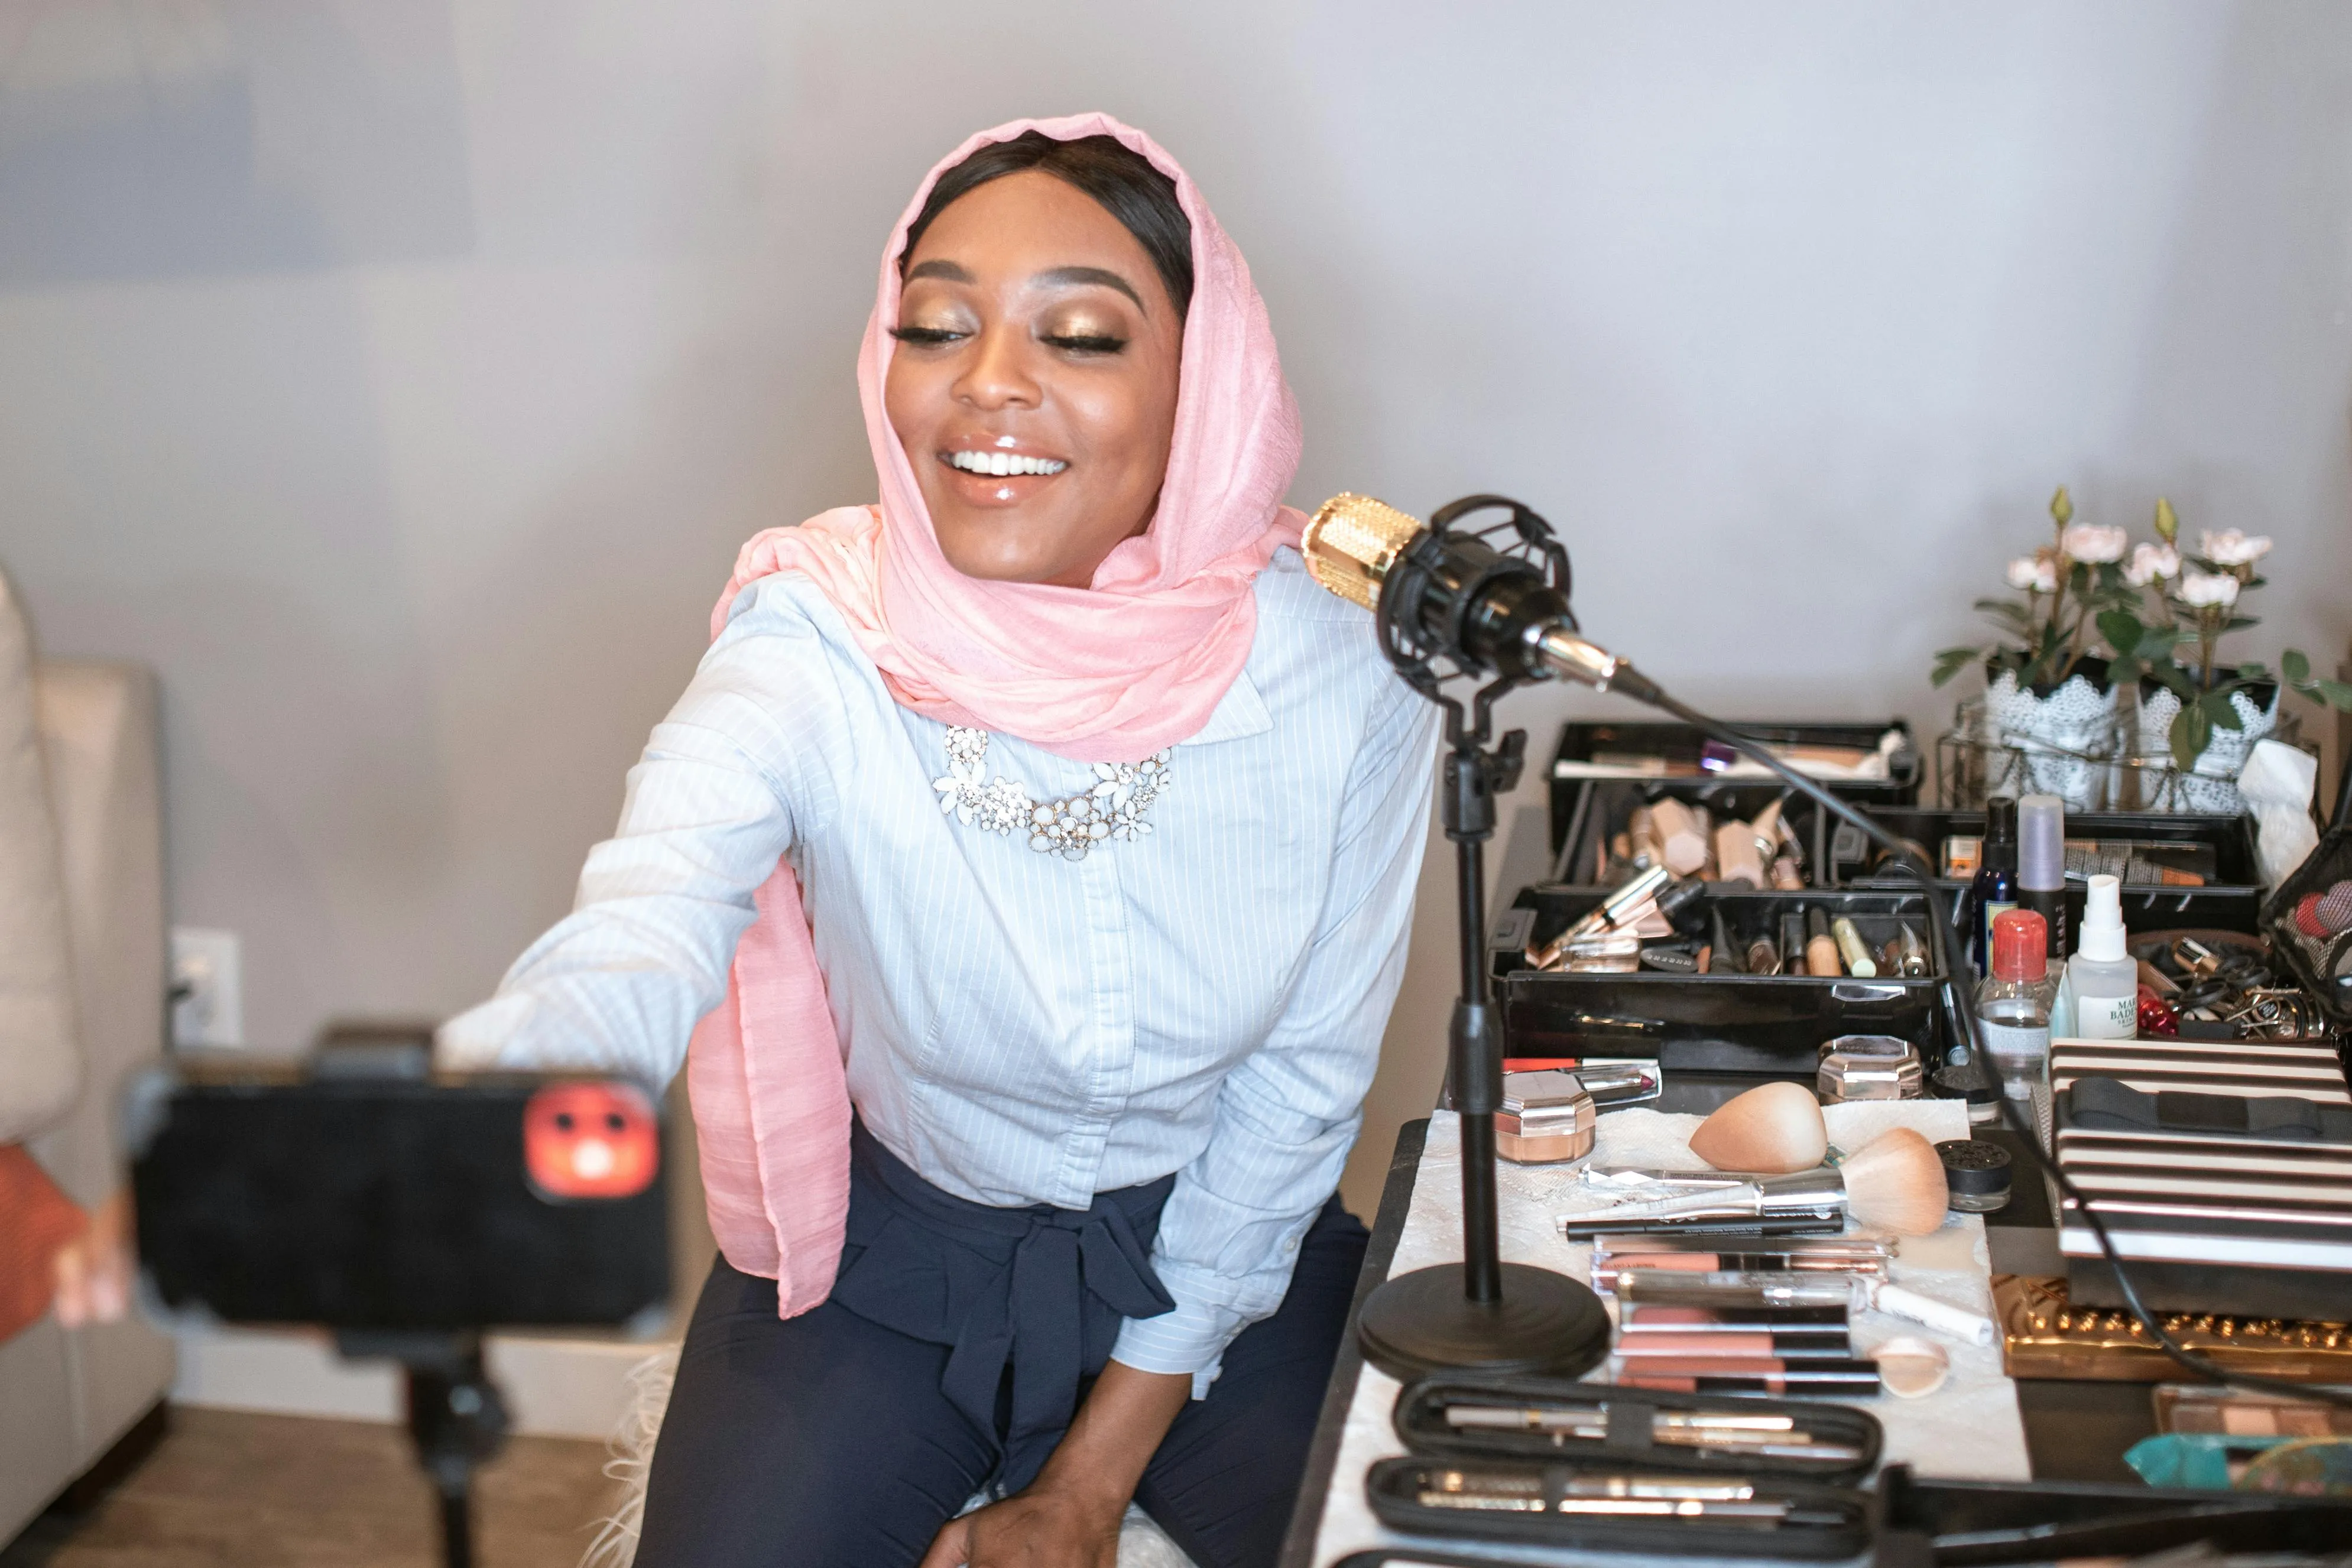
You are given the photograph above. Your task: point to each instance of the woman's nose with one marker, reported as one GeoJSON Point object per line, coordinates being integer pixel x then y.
{"type": "Point", "coordinates": [998, 373]}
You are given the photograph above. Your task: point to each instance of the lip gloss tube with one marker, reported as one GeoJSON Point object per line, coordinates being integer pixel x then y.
{"type": "Point", "coordinates": [1789, 1348]}
{"type": "Point", "coordinates": [1805, 1386]}
{"type": "Point", "coordinates": [1814, 1323]}
{"type": "Point", "coordinates": [1842, 1369]}
{"type": "Point", "coordinates": [1658, 1289]}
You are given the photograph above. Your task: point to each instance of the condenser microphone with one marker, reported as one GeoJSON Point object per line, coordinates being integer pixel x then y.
{"type": "Point", "coordinates": [1437, 590]}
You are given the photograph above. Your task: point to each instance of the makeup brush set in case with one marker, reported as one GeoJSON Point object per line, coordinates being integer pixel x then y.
{"type": "Point", "coordinates": [1557, 1463]}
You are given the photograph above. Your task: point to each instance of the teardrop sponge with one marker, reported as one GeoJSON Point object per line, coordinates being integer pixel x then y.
{"type": "Point", "coordinates": [1773, 1128]}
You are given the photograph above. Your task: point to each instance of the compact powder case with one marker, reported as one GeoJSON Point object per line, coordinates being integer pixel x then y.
{"type": "Point", "coordinates": [1869, 1067]}
{"type": "Point", "coordinates": [1546, 1117]}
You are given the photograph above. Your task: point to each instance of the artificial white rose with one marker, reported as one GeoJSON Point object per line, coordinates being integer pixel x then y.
{"type": "Point", "coordinates": [2025, 571]}
{"type": "Point", "coordinates": [2232, 546]}
{"type": "Point", "coordinates": [2097, 543]}
{"type": "Point", "coordinates": [2152, 563]}
{"type": "Point", "coordinates": [2208, 588]}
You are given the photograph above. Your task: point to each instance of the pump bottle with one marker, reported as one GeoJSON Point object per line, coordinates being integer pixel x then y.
{"type": "Point", "coordinates": [2041, 866]}
{"type": "Point", "coordinates": [2102, 980]}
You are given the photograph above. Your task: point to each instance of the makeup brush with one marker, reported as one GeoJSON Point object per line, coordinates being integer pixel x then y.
{"type": "Point", "coordinates": [1894, 1182]}
{"type": "Point", "coordinates": [1773, 1128]}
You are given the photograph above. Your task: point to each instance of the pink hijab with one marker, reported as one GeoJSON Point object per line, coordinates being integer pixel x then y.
{"type": "Point", "coordinates": [1110, 672]}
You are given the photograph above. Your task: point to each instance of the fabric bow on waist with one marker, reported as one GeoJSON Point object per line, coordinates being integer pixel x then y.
{"type": "Point", "coordinates": [1039, 1288]}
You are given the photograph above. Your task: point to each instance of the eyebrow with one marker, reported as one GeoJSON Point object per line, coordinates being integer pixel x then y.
{"type": "Point", "coordinates": [1065, 276]}
{"type": "Point", "coordinates": [1058, 277]}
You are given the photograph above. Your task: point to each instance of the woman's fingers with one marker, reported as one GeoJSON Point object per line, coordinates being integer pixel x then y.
{"type": "Point", "coordinates": [951, 1548]}
{"type": "Point", "coordinates": [92, 1272]}
{"type": "Point", "coordinates": [70, 1265]}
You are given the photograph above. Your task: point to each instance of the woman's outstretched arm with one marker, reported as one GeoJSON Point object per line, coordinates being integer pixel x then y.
{"type": "Point", "coordinates": [729, 781]}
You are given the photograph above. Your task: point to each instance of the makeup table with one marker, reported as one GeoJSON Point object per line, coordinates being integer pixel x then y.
{"type": "Point", "coordinates": [1982, 1426]}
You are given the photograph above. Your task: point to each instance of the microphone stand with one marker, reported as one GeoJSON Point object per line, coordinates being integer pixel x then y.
{"type": "Point", "coordinates": [1484, 1314]}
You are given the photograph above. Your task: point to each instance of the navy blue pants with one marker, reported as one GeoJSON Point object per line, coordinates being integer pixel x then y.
{"type": "Point", "coordinates": [829, 1441]}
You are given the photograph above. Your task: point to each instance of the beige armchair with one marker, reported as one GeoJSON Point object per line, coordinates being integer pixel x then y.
{"type": "Point", "coordinates": [68, 1397]}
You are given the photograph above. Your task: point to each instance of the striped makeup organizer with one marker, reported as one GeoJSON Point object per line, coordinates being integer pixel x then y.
{"type": "Point", "coordinates": [2224, 1177]}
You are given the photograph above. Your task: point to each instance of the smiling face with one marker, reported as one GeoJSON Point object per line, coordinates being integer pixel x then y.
{"type": "Point", "coordinates": [1033, 384]}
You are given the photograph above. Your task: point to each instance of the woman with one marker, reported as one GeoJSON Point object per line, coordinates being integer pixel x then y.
{"type": "Point", "coordinates": [1098, 825]}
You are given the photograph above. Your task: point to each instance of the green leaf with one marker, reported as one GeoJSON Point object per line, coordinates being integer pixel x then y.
{"type": "Point", "coordinates": [1950, 661]}
{"type": "Point", "coordinates": [2190, 731]}
{"type": "Point", "coordinates": [2181, 683]}
{"type": "Point", "coordinates": [2294, 668]}
{"type": "Point", "coordinates": [2334, 694]}
{"type": "Point", "coordinates": [2239, 623]}
{"type": "Point", "coordinates": [2221, 710]}
{"type": "Point", "coordinates": [2122, 630]}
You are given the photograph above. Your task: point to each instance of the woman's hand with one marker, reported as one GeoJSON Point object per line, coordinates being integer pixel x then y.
{"type": "Point", "coordinates": [94, 1270]}
{"type": "Point", "coordinates": [1069, 1516]}
{"type": "Point", "coordinates": [1042, 1527]}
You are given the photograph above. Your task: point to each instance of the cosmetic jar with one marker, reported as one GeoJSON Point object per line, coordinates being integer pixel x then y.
{"type": "Point", "coordinates": [1546, 1117]}
{"type": "Point", "coordinates": [1977, 1173]}
{"type": "Point", "coordinates": [1966, 1083]}
{"type": "Point", "coordinates": [1869, 1067]}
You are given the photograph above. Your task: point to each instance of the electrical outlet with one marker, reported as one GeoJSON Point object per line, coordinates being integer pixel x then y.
{"type": "Point", "coordinates": [207, 988]}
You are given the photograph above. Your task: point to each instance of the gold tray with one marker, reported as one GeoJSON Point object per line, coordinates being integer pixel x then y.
{"type": "Point", "coordinates": [2045, 1335]}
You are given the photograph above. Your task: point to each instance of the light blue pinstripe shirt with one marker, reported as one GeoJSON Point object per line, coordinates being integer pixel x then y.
{"type": "Point", "coordinates": [1021, 1027]}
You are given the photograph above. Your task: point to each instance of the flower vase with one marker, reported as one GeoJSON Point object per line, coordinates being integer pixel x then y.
{"type": "Point", "coordinates": [2061, 741]}
{"type": "Point", "coordinates": [2212, 782]}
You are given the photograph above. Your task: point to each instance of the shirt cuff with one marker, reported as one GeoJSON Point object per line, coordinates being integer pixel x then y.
{"type": "Point", "coordinates": [1190, 1338]}
{"type": "Point", "coordinates": [477, 1040]}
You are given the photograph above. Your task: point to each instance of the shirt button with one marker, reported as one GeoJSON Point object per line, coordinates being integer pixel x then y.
{"type": "Point", "coordinates": [1291, 1245]}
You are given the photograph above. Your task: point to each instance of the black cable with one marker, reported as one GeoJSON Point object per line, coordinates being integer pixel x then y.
{"type": "Point", "coordinates": [1956, 968]}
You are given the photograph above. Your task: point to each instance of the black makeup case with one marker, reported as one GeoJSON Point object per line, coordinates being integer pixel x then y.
{"type": "Point", "coordinates": [2231, 900]}
{"type": "Point", "coordinates": [1518, 1478]}
{"type": "Point", "coordinates": [1519, 1501]}
{"type": "Point", "coordinates": [1682, 753]}
{"type": "Point", "coordinates": [1738, 1024]}
{"type": "Point", "coordinates": [1631, 1419]}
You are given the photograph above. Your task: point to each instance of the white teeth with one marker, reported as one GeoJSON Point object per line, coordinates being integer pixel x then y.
{"type": "Point", "coordinates": [1002, 462]}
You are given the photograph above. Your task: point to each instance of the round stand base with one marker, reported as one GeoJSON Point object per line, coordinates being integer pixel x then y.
{"type": "Point", "coordinates": [1546, 1324]}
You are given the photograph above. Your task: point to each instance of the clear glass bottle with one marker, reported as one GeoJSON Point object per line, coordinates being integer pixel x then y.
{"type": "Point", "coordinates": [2013, 1012]}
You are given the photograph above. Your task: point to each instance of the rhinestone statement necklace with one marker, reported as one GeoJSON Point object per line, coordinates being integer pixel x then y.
{"type": "Point", "coordinates": [1112, 809]}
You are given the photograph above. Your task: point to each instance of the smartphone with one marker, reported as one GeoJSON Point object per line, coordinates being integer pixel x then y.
{"type": "Point", "coordinates": [376, 1195]}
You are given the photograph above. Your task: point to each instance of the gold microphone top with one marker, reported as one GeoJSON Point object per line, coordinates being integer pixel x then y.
{"type": "Point", "coordinates": [1351, 543]}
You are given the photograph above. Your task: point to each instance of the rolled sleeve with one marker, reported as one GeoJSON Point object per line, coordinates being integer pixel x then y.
{"type": "Point", "coordinates": [1287, 1117]}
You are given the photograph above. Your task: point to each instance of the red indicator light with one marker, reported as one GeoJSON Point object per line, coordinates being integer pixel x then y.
{"type": "Point", "coordinates": [590, 1140]}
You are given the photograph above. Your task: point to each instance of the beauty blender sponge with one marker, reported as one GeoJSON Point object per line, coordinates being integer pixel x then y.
{"type": "Point", "coordinates": [1773, 1128]}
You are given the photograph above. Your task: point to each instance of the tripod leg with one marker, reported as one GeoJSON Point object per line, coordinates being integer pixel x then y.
{"type": "Point", "coordinates": [458, 1526]}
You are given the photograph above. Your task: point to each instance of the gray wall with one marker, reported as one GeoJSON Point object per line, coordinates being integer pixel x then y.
{"type": "Point", "coordinates": [398, 376]}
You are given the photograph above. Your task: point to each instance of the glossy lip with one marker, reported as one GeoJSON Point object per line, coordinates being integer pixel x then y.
{"type": "Point", "coordinates": [995, 490]}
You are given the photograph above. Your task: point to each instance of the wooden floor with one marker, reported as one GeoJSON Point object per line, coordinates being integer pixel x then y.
{"type": "Point", "coordinates": [227, 1490]}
